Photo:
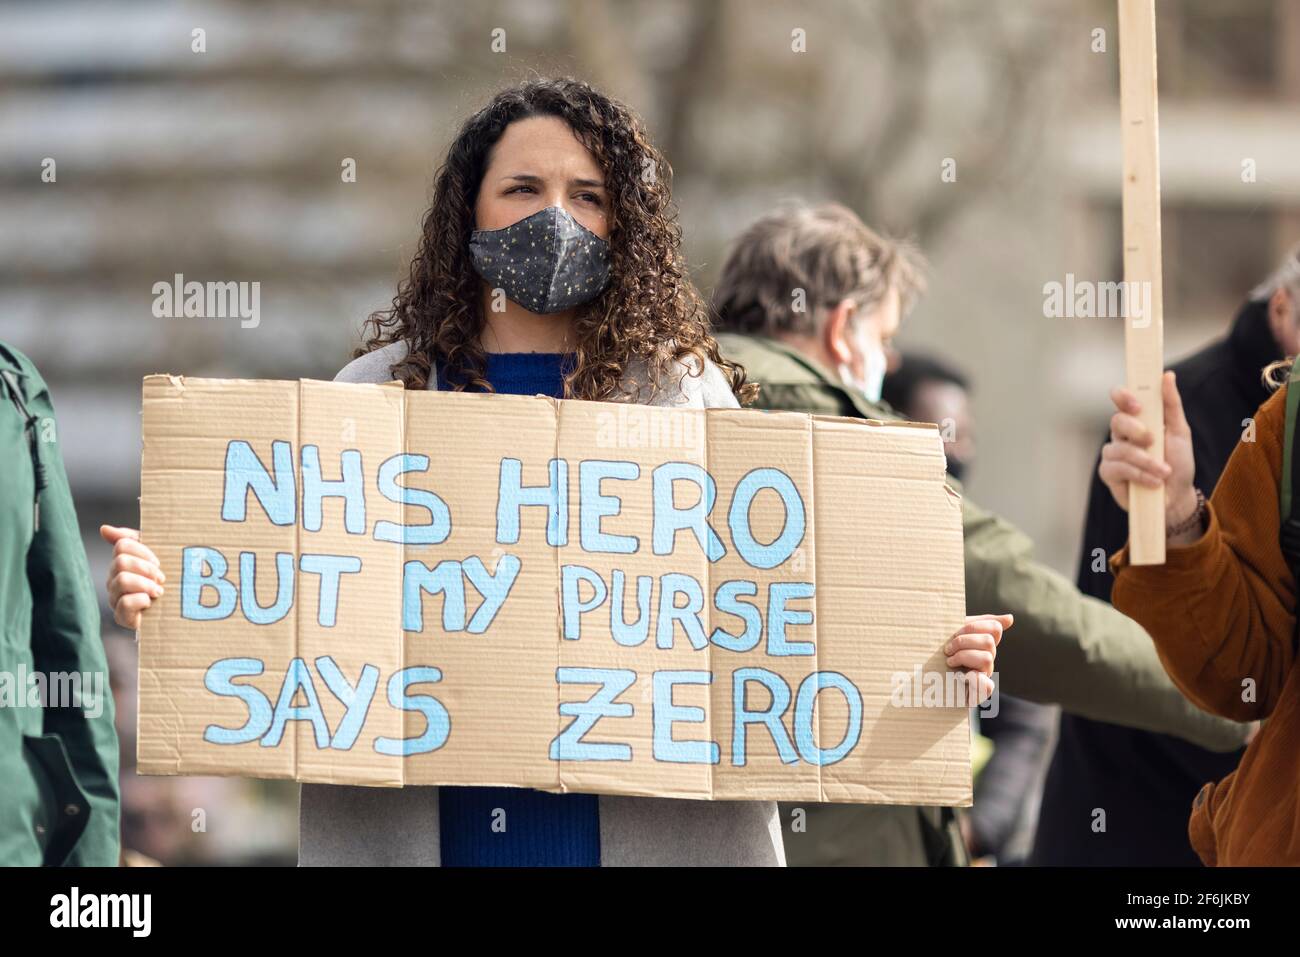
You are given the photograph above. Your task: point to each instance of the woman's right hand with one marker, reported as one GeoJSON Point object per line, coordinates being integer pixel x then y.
{"type": "Point", "coordinates": [135, 577]}
{"type": "Point", "coordinates": [1125, 459]}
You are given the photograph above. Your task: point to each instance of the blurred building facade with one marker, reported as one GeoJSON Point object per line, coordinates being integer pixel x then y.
{"type": "Point", "coordinates": [134, 149]}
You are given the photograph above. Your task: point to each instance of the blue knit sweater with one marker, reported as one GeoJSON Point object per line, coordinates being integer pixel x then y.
{"type": "Point", "coordinates": [519, 827]}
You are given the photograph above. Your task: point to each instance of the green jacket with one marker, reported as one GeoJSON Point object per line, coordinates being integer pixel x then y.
{"type": "Point", "coordinates": [1066, 649]}
{"type": "Point", "coordinates": [58, 763]}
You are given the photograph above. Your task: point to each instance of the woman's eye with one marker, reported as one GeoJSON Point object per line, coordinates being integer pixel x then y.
{"type": "Point", "coordinates": [516, 189]}
{"type": "Point", "coordinates": [589, 198]}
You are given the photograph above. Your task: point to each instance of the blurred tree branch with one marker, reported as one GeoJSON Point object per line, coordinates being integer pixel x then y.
{"type": "Point", "coordinates": [1010, 121]}
{"type": "Point", "coordinates": [1011, 60]}
{"type": "Point", "coordinates": [599, 41]}
{"type": "Point", "coordinates": [854, 175]}
{"type": "Point", "coordinates": [862, 169]}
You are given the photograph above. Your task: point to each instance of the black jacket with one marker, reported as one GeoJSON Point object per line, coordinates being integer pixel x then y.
{"type": "Point", "coordinates": [1144, 783]}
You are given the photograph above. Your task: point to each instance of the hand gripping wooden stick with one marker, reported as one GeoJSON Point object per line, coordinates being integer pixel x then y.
{"type": "Point", "coordinates": [1143, 296]}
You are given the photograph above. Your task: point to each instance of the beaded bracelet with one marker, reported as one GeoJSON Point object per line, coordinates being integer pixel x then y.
{"type": "Point", "coordinates": [1192, 521]}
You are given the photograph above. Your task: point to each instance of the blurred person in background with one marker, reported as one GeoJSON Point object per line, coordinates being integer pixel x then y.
{"type": "Point", "coordinates": [1145, 782]}
{"type": "Point", "coordinates": [124, 682]}
{"type": "Point", "coordinates": [824, 352]}
{"type": "Point", "coordinates": [58, 758]}
{"type": "Point", "coordinates": [927, 390]}
{"type": "Point", "coordinates": [605, 311]}
{"type": "Point", "coordinates": [187, 820]}
{"type": "Point", "coordinates": [154, 826]}
{"type": "Point", "coordinates": [999, 826]}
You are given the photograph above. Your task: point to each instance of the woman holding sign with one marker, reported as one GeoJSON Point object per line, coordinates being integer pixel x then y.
{"type": "Point", "coordinates": [1222, 611]}
{"type": "Point", "coordinates": [549, 263]}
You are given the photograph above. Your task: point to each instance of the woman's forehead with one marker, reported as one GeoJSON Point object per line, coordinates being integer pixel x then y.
{"type": "Point", "coordinates": [543, 146]}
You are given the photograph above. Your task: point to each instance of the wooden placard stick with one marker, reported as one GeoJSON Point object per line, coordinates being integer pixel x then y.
{"type": "Point", "coordinates": [1143, 297]}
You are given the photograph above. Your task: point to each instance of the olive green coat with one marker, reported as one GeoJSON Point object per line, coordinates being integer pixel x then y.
{"type": "Point", "coordinates": [1066, 649]}
{"type": "Point", "coordinates": [58, 765]}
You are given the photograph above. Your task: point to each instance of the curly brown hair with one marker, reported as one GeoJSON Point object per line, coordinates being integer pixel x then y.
{"type": "Point", "coordinates": [649, 311]}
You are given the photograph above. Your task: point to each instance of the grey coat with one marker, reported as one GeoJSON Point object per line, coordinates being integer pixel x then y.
{"type": "Point", "coordinates": [343, 825]}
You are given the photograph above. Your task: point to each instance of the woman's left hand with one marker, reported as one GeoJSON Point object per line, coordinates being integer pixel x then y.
{"type": "Point", "coordinates": [974, 647]}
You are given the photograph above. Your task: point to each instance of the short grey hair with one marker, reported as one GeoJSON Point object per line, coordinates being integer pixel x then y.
{"type": "Point", "coordinates": [1287, 274]}
{"type": "Point", "coordinates": [827, 252]}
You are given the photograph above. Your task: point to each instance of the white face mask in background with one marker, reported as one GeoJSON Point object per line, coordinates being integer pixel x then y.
{"type": "Point", "coordinates": [874, 364]}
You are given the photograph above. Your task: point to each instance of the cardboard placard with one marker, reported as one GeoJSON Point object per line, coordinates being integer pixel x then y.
{"type": "Point", "coordinates": [368, 585]}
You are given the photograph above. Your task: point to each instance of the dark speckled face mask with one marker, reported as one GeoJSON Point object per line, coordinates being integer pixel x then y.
{"type": "Point", "coordinates": [547, 262]}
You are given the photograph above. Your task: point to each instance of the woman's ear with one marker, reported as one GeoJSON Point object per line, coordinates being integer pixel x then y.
{"type": "Point", "coordinates": [836, 331]}
{"type": "Point", "coordinates": [1280, 311]}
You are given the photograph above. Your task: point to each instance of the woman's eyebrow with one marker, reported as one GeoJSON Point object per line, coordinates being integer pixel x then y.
{"type": "Point", "coordinates": [533, 179]}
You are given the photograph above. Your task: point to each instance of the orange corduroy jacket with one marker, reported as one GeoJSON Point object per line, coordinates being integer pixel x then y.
{"type": "Point", "coordinates": [1222, 614]}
